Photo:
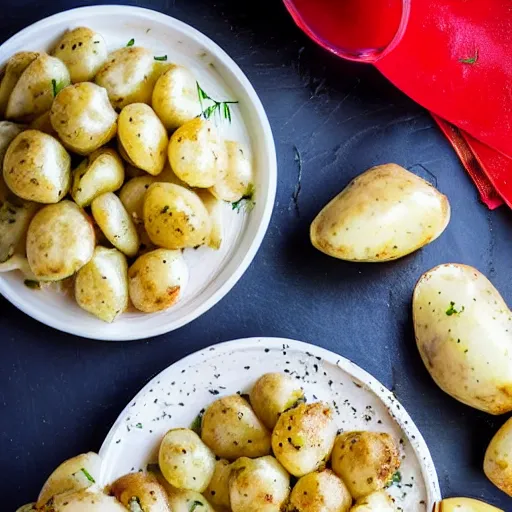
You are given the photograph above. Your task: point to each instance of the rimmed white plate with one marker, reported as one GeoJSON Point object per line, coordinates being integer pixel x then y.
{"type": "Point", "coordinates": [175, 397]}
{"type": "Point", "coordinates": [213, 273]}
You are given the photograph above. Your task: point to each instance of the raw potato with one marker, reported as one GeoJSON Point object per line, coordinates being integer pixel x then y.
{"type": "Point", "coordinates": [8, 132]}
{"type": "Point", "coordinates": [143, 138]}
{"type": "Point", "coordinates": [189, 501]}
{"type": "Point", "coordinates": [214, 207]}
{"type": "Point", "coordinates": [196, 153]}
{"type": "Point", "coordinates": [132, 196]}
{"type": "Point", "coordinates": [157, 280]}
{"type": "Point", "coordinates": [101, 172]}
{"type": "Point", "coordinates": [258, 485]}
{"type": "Point", "coordinates": [385, 213]}
{"type": "Point", "coordinates": [84, 501]}
{"type": "Point", "coordinates": [272, 394]}
{"type": "Point", "coordinates": [101, 286]}
{"type": "Point", "coordinates": [218, 488]}
{"type": "Point", "coordinates": [235, 180]}
{"type": "Point", "coordinates": [60, 241]}
{"type": "Point", "coordinates": [129, 75]}
{"type": "Point", "coordinates": [303, 437]}
{"type": "Point", "coordinates": [378, 501]}
{"type": "Point", "coordinates": [232, 430]}
{"type": "Point", "coordinates": [83, 51]}
{"type": "Point", "coordinates": [463, 505]}
{"type": "Point", "coordinates": [15, 217]}
{"type": "Point", "coordinates": [109, 213]}
{"type": "Point", "coordinates": [498, 459]}
{"type": "Point", "coordinates": [321, 491]}
{"type": "Point", "coordinates": [463, 331]}
{"type": "Point", "coordinates": [13, 70]}
{"type": "Point", "coordinates": [365, 461]}
{"type": "Point", "coordinates": [37, 167]}
{"type": "Point", "coordinates": [185, 461]}
{"type": "Point", "coordinates": [140, 489]}
{"type": "Point", "coordinates": [43, 124]}
{"type": "Point", "coordinates": [34, 91]}
{"type": "Point", "coordinates": [72, 475]}
{"type": "Point", "coordinates": [175, 97]}
{"type": "Point", "coordinates": [174, 217]}
{"type": "Point", "coordinates": [82, 116]}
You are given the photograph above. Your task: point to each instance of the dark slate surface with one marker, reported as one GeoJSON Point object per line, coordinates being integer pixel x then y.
{"type": "Point", "coordinates": [59, 395]}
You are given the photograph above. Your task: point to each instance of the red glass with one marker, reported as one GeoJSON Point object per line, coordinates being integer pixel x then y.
{"type": "Point", "coordinates": [360, 30]}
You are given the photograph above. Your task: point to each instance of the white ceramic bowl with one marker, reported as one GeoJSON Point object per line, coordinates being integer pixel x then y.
{"type": "Point", "coordinates": [212, 273]}
{"type": "Point", "coordinates": [360, 402]}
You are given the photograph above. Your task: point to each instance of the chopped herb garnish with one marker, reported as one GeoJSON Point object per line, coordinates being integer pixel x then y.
{"type": "Point", "coordinates": [134, 505]}
{"type": "Point", "coordinates": [246, 202]}
{"type": "Point", "coordinates": [57, 86]}
{"type": "Point", "coordinates": [138, 425]}
{"type": "Point", "coordinates": [470, 60]}
{"type": "Point", "coordinates": [88, 475]}
{"type": "Point", "coordinates": [195, 504]}
{"type": "Point", "coordinates": [196, 424]}
{"type": "Point", "coordinates": [131, 42]}
{"type": "Point", "coordinates": [301, 400]}
{"type": "Point", "coordinates": [163, 58]}
{"type": "Point", "coordinates": [452, 311]}
{"type": "Point", "coordinates": [222, 107]}
{"type": "Point", "coordinates": [35, 285]}
{"type": "Point", "coordinates": [395, 479]}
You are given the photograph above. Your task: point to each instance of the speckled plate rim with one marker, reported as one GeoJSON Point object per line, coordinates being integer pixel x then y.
{"type": "Point", "coordinates": [395, 409]}
{"type": "Point", "coordinates": [268, 156]}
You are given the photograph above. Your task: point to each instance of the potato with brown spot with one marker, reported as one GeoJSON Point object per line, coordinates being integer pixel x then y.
{"type": "Point", "coordinates": [142, 489]}
{"type": "Point", "coordinates": [60, 241]}
{"type": "Point", "coordinates": [498, 459]}
{"type": "Point", "coordinates": [384, 214]}
{"type": "Point", "coordinates": [232, 430]}
{"type": "Point", "coordinates": [365, 461]}
{"type": "Point", "coordinates": [218, 489]}
{"type": "Point", "coordinates": [463, 330]}
{"type": "Point", "coordinates": [303, 437]}
{"type": "Point", "coordinates": [157, 279]}
{"type": "Point", "coordinates": [258, 485]}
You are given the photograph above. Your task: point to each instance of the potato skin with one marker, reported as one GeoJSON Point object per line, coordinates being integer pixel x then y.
{"type": "Point", "coordinates": [129, 75]}
{"type": "Point", "coordinates": [33, 93]}
{"type": "Point", "coordinates": [43, 124]}
{"type": "Point", "coordinates": [214, 208]}
{"type": "Point", "coordinates": [132, 196]}
{"type": "Point", "coordinates": [157, 279]}
{"type": "Point", "coordinates": [174, 217]}
{"type": "Point", "coordinates": [232, 430]}
{"type": "Point", "coordinates": [378, 501]}
{"type": "Point", "coordinates": [115, 223]}
{"type": "Point", "coordinates": [143, 138]}
{"type": "Point", "coordinates": [82, 116]}
{"type": "Point", "coordinates": [101, 285]}
{"type": "Point", "coordinates": [185, 461]}
{"type": "Point", "coordinates": [69, 477]}
{"type": "Point", "coordinates": [185, 501]}
{"type": "Point", "coordinates": [463, 505]}
{"type": "Point", "coordinates": [196, 153]}
{"type": "Point", "coordinates": [101, 172]}
{"type": "Point", "coordinates": [12, 72]}
{"type": "Point", "coordinates": [83, 51]}
{"type": "Point", "coordinates": [498, 459]}
{"type": "Point", "coordinates": [463, 330]}
{"type": "Point", "coordinates": [60, 241]}
{"type": "Point", "coordinates": [84, 501]}
{"type": "Point", "coordinates": [234, 181]}
{"type": "Point", "coordinates": [258, 485]}
{"type": "Point", "coordinates": [175, 97]}
{"type": "Point", "coordinates": [321, 491]}
{"type": "Point", "coordinates": [29, 507]}
{"type": "Point", "coordinates": [303, 437]}
{"type": "Point", "coordinates": [384, 214]}
{"type": "Point", "coordinates": [272, 394]}
{"type": "Point", "coordinates": [36, 167]}
{"type": "Point", "coordinates": [8, 132]}
{"type": "Point", "coordinates": [218, 488]}
{"type": "Point", "coordinates": [365, 461]}
{"type": "Point", "coordinates": [142, 488]}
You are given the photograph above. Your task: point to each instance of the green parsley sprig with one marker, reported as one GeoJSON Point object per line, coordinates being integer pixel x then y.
{"type": "Point", "coordinates": [218, 107]}
{"type": "Point", "coordinates": [57, 86]}
{"type": "Point", "coordinates": [131, 42]}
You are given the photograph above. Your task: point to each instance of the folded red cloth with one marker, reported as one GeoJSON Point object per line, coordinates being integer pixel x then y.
{"type": "Point", "coordinates": [453, 57]}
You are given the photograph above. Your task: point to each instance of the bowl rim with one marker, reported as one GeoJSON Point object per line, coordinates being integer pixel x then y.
{"type": "Point", "coordinates": [269, 161]}
{"type": "Point", "coordinates": [397, 411]}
